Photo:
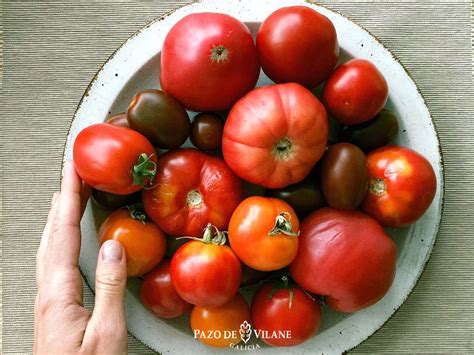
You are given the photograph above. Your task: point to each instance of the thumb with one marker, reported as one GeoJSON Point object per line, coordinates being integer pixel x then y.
{"type": "Point", "coordinates": [111, 278]}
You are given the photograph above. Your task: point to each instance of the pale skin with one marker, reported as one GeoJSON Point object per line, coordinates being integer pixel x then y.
{"type": "Point", "coordinates": [62, 324]}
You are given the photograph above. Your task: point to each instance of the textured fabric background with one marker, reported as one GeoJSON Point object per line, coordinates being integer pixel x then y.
{"type": "Point", "coordinates": [53, 49]}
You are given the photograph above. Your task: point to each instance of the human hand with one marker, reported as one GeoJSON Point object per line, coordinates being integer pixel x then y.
{"type": "Point", "coordinates": [62, 324]}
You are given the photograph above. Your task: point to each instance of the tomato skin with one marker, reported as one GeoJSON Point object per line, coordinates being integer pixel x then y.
{"type": "Point", "coordinates": [249, 229]}
{"type": "Point", "coordinates": [345, 256]}
{"type": "Point", "coordinates": [184, 178]}
{"type": "Point", "coordinates": [227, 317]}
{"type": "Point", "coordinates": [119, 119]}
{"type": "Point", "coordinates": [344, 176]}
{"type": "Point", "coordinates": [196, 71]}
{"type": "Point", "coordinates": [297, 44]}
{"type": "Point", "coordinates": [402, 186]}
{"type": "Point", "coordinates": [104, 156]}
{"type": "Point", "coordinates": [157, 292]}
{"type": "Point", "coordinates": [273, 314]}
{"type": "Point", "coordinates": [275, 134]}
{"type": "Point", "coordinates": [144, 243]}
{"type": "Point", "coordinates": [206, 274]}
{"type": "Point", "coordinates": [159, 117]}
{"type": "Point", "coordinates": [355, 92]}
{"type": "Point", "coordinates": [206, 131]}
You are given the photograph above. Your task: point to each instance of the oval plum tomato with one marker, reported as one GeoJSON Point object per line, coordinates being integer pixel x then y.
{"type": "Point", "coordinates": [114, 159]}
{"type": "Point", "coordinates": [285, 308]}
{"type": "Point", "coordinates": [345, 256]}
{"type": "Point", "coordinates": [344, 176]}
{"type": "Point", "coordinates": [263, 232]}
{"type": "Point", "coordinates": [297, 44]}
{"type": "Point", "coordinates": [143, 241]}
{"type": "Point", "coordinates": [275, 135]}
{"type": "Point", "coordinates": [118, 120]}
{"type": "Point", "coordinates": [220, 326]}
{"type": "Point", "coordinates": [159, 117]}
{"type": "Point", "coordinates": [157, 292]}
{"type": "Point", "coordinates": [205, 272]}
{"type": "Point", "coordinates": [192, 189]}
{"type": "Point", "coordinates": [402, 186]}
{"type": "Point", "coordinates": [208, 61]}
{"type": "Point", "coordinates": [355, 92]}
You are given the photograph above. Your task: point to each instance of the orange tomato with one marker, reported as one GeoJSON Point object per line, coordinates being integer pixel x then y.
{"type": "Point", "coordinates": [143, 241]}
{"type": "Point", "coordinates": [219, 326]}
{"type": "Point", "coordinates": [263, 232]}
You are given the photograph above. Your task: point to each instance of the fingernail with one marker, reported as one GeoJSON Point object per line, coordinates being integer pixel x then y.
{"type": "Point", "coordinates": [111, 251]}
{"type": "Point", "coordinates": [54, 200]}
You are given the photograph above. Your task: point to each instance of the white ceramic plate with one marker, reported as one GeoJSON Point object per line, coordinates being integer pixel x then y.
{"type": "Point", "coordinates": [135, 66]}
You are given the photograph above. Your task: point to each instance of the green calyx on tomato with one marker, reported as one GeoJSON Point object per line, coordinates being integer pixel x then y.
{"type": "Point", "coordinates": [208, 237]}
{"type": "Point", "coordinates": [285, 283]}
{"type": "Point", "coordinates": [283, 226]}
{"type": "Point", "coordinates": [219, 53]}
{"type": "Point", "coordinates": [144, 169]}
{"type": "Point", "coordinates": [137, 212]}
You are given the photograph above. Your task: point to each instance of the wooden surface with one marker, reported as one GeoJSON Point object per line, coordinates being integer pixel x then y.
{"type": "Point", "coordinates": [51, 51]}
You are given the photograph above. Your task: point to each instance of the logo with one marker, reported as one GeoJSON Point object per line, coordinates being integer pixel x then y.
{"type": "Point", "coordinates": [243, 335]}
{"type": "Point", "coordinates": [245, 331]}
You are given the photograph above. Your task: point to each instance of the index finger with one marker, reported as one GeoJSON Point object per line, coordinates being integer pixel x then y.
{"type": "Point", "coordinates": [65, 240]}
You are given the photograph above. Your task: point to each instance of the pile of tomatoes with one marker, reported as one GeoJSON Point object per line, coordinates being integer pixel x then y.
{"type": "Point", "coordinates": [266, 199]}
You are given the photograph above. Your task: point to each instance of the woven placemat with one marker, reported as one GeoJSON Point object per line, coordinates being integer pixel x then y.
{"type": "Point", "coordinates": [53, 49]}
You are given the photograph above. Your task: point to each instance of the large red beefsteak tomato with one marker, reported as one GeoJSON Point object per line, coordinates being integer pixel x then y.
{"type": "Point", "coordinates": [275, 134]}
{"type": "Point", "coordinates": [208, 61]}
{"type": "Point", "coordinates": [346, 257]}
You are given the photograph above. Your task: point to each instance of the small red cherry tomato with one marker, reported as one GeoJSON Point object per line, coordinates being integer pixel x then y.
{"type": "Point", "coordinates": [205, 272]}
{"type": "Point", "coordinates": [355, 92]}
{"type": "Point", "coordinates": [157, 292]}
{"type": "Point", "coordinates": [284, 310]}
{"type": "Point", "coordinates": [402, 186]}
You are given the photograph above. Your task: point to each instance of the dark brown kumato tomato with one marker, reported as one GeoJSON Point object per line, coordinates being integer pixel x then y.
{"type": "Point", "coordinates": [344, 176]}
{"type": "Point", "coordinates": [206, 131]}
{"type": "Point", "coordinates": [118, 120]}
{"type": "Point", "coordinates": [159, 117]}
{"type": "Point", "coordinates": [379, 131]}
{"type": "Point", "coordinates": [305, 196]}
{"type": "Point", "coordinates": [110, 201]}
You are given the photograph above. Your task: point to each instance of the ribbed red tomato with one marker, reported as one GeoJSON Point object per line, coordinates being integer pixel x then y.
{"type": "Point", "coordinates": [192, 189]}
{"type": "Point", "coordinates": [275, 134]}
{"type": "Point", "coordinates": [402, 186]}
{"type": "Point", "coordinates": [346, 257]}
{"type": "Point", "coordinates": [208, 61]}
